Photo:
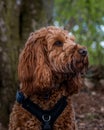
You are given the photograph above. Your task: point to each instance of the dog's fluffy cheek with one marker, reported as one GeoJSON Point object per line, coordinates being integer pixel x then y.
{"type": "Point", "coordinates": [56, 62]}
{"type": "Point", "coordinates": [60, 62]}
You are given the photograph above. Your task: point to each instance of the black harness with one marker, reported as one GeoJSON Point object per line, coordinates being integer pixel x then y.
{"type": "Point", "coordinates": [46, 117]}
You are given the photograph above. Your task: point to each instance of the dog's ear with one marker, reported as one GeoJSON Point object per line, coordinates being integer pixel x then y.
{"type": "Point", "coordinates": [33, 70]}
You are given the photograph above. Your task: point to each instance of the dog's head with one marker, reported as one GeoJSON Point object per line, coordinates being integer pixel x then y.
{"type": "Point", "coordinates": [47, 52]}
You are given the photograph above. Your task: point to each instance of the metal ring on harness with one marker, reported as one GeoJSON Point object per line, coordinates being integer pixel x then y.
{"type": "Point", "coordinates": [46, 118]}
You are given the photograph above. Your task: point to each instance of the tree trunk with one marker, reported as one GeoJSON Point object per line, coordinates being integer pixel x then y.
{"type": "Point", "coordinates": [18, 18]}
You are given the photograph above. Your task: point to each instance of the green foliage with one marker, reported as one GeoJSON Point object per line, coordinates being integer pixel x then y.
{"type": "Point", "coordinates": [85, 19]}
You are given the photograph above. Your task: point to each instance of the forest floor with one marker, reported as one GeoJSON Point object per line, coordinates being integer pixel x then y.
{"type": "Point", "coordinates": [89, 108]}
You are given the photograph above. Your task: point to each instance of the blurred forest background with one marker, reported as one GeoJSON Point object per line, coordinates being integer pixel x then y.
{"type": "Point", "coordinates": [84, 19]}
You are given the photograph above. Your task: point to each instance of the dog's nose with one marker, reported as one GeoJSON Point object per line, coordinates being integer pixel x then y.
{"type": "Point", "coordinates": [83, 51]}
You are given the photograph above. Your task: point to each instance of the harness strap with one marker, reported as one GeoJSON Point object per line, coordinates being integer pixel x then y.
{"type": "Point", "coordinates": [46, 117]}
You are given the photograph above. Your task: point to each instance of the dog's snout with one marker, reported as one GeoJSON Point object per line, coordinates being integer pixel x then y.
{"type": "Point", "coordinates": [83, 51]}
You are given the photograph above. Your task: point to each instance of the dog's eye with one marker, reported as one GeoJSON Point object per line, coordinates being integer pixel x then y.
{"type": "Point", "coordinates": [58, 43]}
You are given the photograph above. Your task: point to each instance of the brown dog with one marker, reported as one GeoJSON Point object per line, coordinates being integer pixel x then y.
{"type": "Point", "coordinates": [49, 70]}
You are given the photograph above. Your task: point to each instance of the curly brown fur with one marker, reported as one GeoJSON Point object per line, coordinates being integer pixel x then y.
{"type": "Point", "coordinates": [51, 62]}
